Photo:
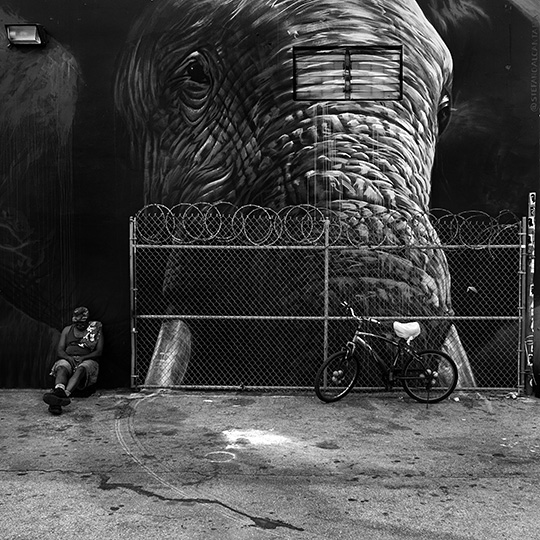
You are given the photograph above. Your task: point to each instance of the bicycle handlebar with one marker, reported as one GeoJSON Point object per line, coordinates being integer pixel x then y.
{"type": "Point", "coordinates": [360, 317]}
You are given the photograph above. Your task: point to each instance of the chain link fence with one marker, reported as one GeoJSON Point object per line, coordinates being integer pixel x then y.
{"type": "Point", "coordinates": [250, 297]}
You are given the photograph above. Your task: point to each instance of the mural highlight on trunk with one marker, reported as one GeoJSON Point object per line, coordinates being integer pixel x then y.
{"type": "Point", "coordinates": [206, 89]}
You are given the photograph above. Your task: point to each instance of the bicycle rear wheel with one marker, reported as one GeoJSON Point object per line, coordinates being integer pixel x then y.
{"type": "Point", "coordinates": [430, 376]}
{"type": "Point", "coordinates": [336, 377]}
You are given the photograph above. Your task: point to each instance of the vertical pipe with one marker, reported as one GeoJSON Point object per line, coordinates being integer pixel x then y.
{"type": "Point", "coordinates": [522, 362]}
{"type": "Point", "coordinates": [133, 300]}
{"type": "Point", "coordinates": [529, 293]}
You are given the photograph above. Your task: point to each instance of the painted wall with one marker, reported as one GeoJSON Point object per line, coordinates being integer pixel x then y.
{"type": "Point", "coordinates": [68, 183]}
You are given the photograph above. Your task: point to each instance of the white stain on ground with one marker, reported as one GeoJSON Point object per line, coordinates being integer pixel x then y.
{"type": "Point", "coordinates": [238, 438]}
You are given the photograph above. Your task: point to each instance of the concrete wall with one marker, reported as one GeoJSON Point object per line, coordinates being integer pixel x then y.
{"type": "Point", "coordinates": [68, 180]}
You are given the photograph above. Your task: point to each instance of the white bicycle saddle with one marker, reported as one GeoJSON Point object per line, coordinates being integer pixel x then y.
{"type": "Point", "coordinates": [407, 330]}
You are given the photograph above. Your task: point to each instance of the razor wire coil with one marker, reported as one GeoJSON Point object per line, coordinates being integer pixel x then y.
{"type": "Point", "coordinates": [226, 224]}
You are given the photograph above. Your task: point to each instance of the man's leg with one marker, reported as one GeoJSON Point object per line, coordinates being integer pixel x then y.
{"type": "Point", "coordinates": [61, 378]}
{"type": "Point", "coordinates": [58, 397]}
{"type": "Point", "coordinates": [75, 380]}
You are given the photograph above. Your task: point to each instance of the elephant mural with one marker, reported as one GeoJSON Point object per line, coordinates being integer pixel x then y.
{"type": "Point", "coordinates": [206, 90]}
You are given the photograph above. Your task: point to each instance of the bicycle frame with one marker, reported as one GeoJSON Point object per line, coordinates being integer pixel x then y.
{"type": "Point", "coordinates": [400, 347]}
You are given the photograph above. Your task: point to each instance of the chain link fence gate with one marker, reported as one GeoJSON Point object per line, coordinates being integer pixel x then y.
{"type": "Point", "coordinates": [226, 297]}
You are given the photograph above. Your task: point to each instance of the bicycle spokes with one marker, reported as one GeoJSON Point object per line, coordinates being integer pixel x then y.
{"type": "Point", "coordinates": [429, 376]}
{"type": "Point", "coordinates": [336, 377]}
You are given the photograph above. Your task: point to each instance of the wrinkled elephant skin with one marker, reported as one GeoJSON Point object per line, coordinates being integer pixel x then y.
{"type": "Point", "coordinates": [206, 89]}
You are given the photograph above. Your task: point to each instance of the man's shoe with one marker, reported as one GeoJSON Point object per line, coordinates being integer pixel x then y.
{"type": "Point", "coordinates": [56, 398]}
{"type": "Point", "coordinates": [56, 410]}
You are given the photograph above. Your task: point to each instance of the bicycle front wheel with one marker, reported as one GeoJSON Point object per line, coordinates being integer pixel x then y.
{"type": "Point", "coordinates": [430, 376]}
{"type": "Point", "coordinates": [336, 377]}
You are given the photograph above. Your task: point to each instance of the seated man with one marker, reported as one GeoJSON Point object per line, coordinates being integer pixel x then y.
{"type": "Point", "coordinates": [79, 349]}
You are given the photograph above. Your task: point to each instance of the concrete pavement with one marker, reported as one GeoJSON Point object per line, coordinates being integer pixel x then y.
{"type": "Point", "coordinates": [197, 465]}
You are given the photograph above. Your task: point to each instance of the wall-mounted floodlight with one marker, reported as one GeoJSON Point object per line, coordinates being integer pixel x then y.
{"type": "Point", "coordinates": [26, 34]}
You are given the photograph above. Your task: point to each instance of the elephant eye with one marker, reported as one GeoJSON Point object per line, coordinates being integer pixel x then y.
{"type": "Point", "coordinates": [191, 76]}
{"type": "Point", "coordinates": [197, 72]}
{"type": "Point", "coordinates": [187, 85]}
{"type": "Point", "coordinates": [444, 111]}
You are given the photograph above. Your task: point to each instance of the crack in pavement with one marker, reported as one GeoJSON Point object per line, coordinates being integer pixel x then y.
{"type": "Point", "coordinates": [260, 522]}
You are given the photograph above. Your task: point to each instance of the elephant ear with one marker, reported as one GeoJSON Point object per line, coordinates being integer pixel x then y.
{"type": "Point", "coordinates": [485, 160]}
{"type": "Point", "coordinates": [39, 93]}
{"type": "Point", "coordinates": [446, 15]}
{"type": "Point", "coordinates": [529, 8]}
{"type": "Point", "coordinates": [453, 19]}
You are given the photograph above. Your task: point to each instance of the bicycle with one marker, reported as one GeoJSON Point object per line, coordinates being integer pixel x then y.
{"type": "Point", "coordinates": [428, 376]}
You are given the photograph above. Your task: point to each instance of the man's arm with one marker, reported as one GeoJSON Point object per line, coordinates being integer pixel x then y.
{"type": "Point", "coordinates": [61, 351]}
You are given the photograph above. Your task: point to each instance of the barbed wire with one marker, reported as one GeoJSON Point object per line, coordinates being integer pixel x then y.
{"type": "Point", "coordinates": [223, 223]}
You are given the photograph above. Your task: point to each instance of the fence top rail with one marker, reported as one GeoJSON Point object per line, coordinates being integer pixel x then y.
{"type": "Point", "coordinates": [223, 224]}
{"type": "Point", "coordinates": [453, 318]}
{"type": "Point", "coordinates": [339, 247]}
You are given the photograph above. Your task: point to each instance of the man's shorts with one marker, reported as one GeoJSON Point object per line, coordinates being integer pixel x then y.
{"type": "Point", "coordinates": [91, 368]}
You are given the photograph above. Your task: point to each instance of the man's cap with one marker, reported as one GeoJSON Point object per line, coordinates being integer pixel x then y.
{"type": "Point", "coordinates": [80, 314]}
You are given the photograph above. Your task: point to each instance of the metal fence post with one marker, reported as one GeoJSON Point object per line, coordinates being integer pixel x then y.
{"type": "Point", "coordinates": [133, 300]}
{"type": "Point", "coordinates": [326, 287]}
